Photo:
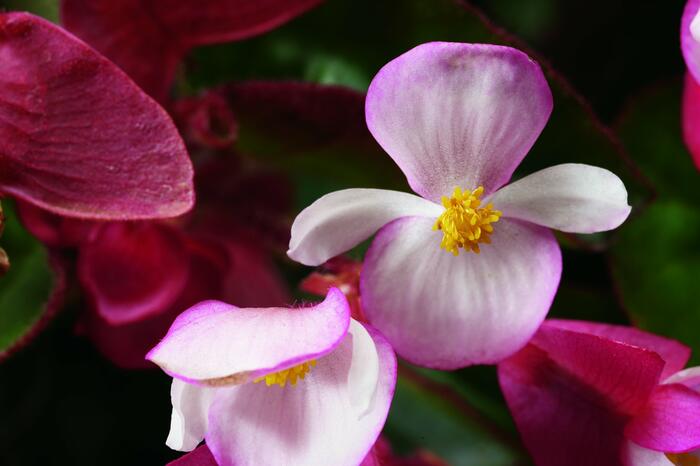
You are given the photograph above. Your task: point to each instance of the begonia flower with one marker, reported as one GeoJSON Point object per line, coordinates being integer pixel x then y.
{"type": "Point", "coordinates": [587, 394]}
{"type": "Point", "coordinates": [464, 272]}
{"type": "Point", "coordinates": [149, 38]}
{"type": "Point", "coordinates": [690, 45]}
{"type": "Point", "coordinates": [77, 136]}
{"type": "Point", "coordinates": [306, 386]}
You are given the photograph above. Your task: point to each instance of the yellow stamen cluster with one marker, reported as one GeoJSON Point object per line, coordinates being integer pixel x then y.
{"type": "Point", "coordinates": [464, 223]}
{"type": "Point", "coordinates": [683, 459]}
{"type": "Point", "coordinates": [293, 374]}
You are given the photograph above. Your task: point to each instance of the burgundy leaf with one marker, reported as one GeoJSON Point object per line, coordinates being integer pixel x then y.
{"type": "Point", "coordinates": [77, 136]}
{"type": "Point", "coordinates": [148, 38]}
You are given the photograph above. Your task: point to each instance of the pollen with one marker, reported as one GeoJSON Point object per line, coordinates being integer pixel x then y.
{"type": "Point", "coordinates": [465, 223]}
{"type": "Point", "coordinates": [683, 459]}
{"type": "Point", "coordinates": [291, 375]}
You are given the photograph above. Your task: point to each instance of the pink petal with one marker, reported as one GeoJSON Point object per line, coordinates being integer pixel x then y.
{"type": "Point", "coordinates": [674, 353]}
{"type": "Point", "coordinates": [691, 117]}
{"type": "Point", "coordinates": [571, 197]}
{"type": "Point", "coordinates": [149, 38]}
{"type": "Point", "coordinates": [201, 456]}
{"type": "Point", "coordinates": [56, 230]}
{"type": "Point", "coordinates": [133, 271]}
{"type": "Point", "coordinates": [318, 422]}
{"type": "Point", "coordinates": [190, 417]}
{"type": "Point", "coordinates": [445, 312]}
{"type": "Point", "coordinates": [690, 45]}
{"type": "Point", "coordinates": [216, 343]}
{"type": "Point", "coordinates": [453, 114]}
{"type": "Point", "coordinates": [572, 393]}
{"type": "Point", "coordinates": [341, 220]}
{"type": "Point", "coordinates": [669, 422]}
{"type": "Point", "coordinates": [77, 137]}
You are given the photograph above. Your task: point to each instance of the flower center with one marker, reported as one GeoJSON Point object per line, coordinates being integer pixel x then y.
{"type": "Point", "coordinates": [464, 223]}
{"type": "Point", "coordinates": [292, 374]}
{"type": "Point", "coordinates": [683, 459]}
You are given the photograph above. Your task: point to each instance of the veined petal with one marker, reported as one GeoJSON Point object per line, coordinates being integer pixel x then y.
{"type": "Point", "coordinates": [453, 114]}
{"type": "Point", "coordinates": [77, 136]}
{"type": "Point", "coordinates": [216, 343]}
{"type": "Point", "coordinates": [316, 422]}
{"type": "Point", "coordinates": [570, 197]}
{"type": "Point", "coordinates": [669, 421]}
{"type": "Point", "coordinates": [442, 311]}
{"type": "Point", "coordinates": [572, 393]}
{"type": "Point", "coordinates": [340, 220]}
{"type": "Point", "coordinates": [690, 45]}
{"type": "Point", "coordinates": [190, 416]}
{"type": "Point", "coordinates": [674, 353]}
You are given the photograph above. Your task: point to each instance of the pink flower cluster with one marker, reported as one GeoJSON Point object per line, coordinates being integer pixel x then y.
{"type": "Point", "coordinates": [462, 271]}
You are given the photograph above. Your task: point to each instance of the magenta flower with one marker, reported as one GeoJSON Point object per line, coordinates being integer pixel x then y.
{"type": "Point", "coordinates": [307, 386]}
{"type": "Point", "coordinates": [690, 45]}
{"type": "Point", "coordinates": [587, 394]}
{"type": "Point", "coordinates": [77, 136]}
{"type": "Point", "coordinates": [465, 272]}
{"type": "Point", "coordinates": [149, 38]}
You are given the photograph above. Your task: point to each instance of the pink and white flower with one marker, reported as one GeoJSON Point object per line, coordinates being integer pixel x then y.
{"type": "Point", "coordinates": [690, 45]}
{"type": "Point", "coordinates": [307, 386]}
{"type": "Point", "coordinates": [586, 394]}
{"type": "Point", "coordinates": [458, 119]}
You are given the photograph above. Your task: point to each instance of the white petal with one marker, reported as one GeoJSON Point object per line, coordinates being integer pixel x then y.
{"type": "Point", "coordinates": [340, 220]}
{"type": "Point", "coordinates": [447, 312]}
{"type": "Point", "coordinates": [189, 420]}
{"type": "Point", "coordinates": [332, 417]}
{"type": "Point", "coordinates": [570, 197]}
{"type": "Point", "coordinates": [640, 456]}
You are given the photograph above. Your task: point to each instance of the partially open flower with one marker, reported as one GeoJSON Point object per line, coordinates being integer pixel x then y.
{"type": "Point", "coordinates": [306, 386]}
{"type": "Point", "coordinates": [587, 394]}
{"type": "Point", "coordinates": [465, 272]}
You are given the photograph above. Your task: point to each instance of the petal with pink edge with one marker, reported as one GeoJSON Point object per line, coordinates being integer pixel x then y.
{"type": "Point", "coordinates": [77, 136]}
{"type": "Point", "coordinates": [690, 45]}
{"type": "Point", "coordinates": [190, 417]}
{"type": "Point", "coordinates": [453, 114]}
{"type": "Point", "coordinates": [572, 393]}
{"type": "Point", "coordinates": [149, 38]}
{"type": "Point", "coordinates": [315, 423]}
{"type": "Point", "coordinates": [340, 220]}
{"type": "Point", "coordinates": [691, 118]}
{"type": "Point", "coordinates": [674, 353]}
{"type": "Point", "coordinates": [133, 271]}
{"type": "Point", "coordinates": [571, 197]}
{"type": "Point", "coordinates": [216, 343]}
{"type": "Point", "coordinates": [445, 312]}
{"type": "Point", "coordinates": [669, 422]}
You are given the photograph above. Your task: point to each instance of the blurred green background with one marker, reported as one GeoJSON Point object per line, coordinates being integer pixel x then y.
{"type": "Point", "coordinates": [616, 72]}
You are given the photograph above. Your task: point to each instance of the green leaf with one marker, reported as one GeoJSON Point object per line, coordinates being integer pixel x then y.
{"type": "Point", "coordinates": [27, 286]}
{"type": "Point", "coordinates": [45, 8]}
{"type": "Point", "coordinates": [656, 261]}
{"type": "Point", "coordinates": [420, 419]}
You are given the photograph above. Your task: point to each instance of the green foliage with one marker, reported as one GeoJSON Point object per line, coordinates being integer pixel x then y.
{"type": "Point", "coordinates": [26, 287]}
{"type": "Point", "coordinates": [656, 260]}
